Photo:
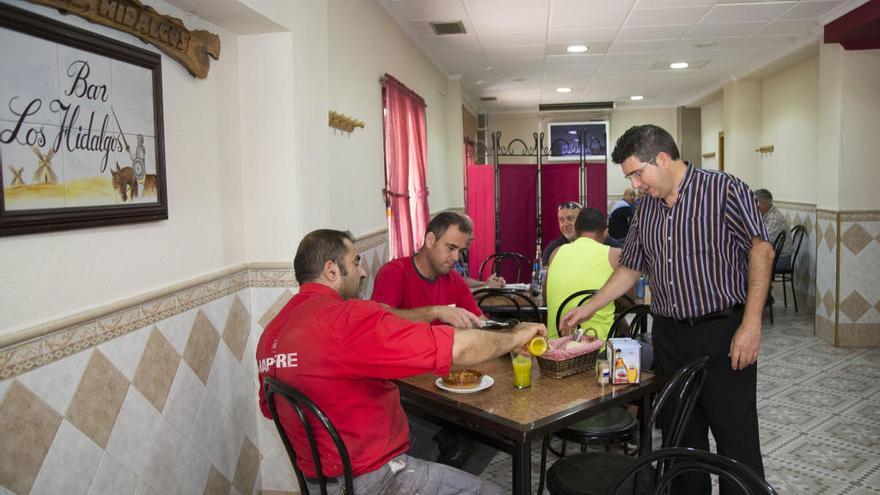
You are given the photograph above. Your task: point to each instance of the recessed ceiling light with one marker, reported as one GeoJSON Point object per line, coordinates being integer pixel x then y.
{"type": "Point", "coordinates": [572, 132]}
{"type": "Point", "coordinates": [563, 90]}
{"type": "Point", "coordinates": [678, 65]}
{"type": "Point", "coordinates": [577, 48]}
{"type": "Point", "coordinates": [636, 97]}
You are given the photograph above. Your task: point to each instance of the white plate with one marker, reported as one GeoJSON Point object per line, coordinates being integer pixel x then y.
{"type": "Point", "coordinates": [485, 383]}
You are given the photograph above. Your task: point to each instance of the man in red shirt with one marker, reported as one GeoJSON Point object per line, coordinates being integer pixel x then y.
{"type": "Point", "coordinates": [425, 287]}
{"type": "Point", "coordinates": [342, 352]}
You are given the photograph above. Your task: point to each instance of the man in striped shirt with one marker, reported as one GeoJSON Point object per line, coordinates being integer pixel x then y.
{"type": "Point", "coordinates": [700, 238]}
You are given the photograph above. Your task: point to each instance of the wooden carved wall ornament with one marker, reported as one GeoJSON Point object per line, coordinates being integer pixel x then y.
{"type": "Point", "coordinates": [168, 34]}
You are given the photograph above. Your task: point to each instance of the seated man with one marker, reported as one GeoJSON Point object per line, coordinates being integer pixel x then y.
{"type": "Point", "coordinates": [585, 263]}
{"type": "Point", "coordinates": [424, 287]}
{"type": "Point", "coordinates": [347, 351]}
{"type": "Point", "coordinates": [493, 281]}
{"type": "Point", "coordinates": [775, 223]}
{"type": "Point", "coordinates": [621, 215]}
{"type": "Point", "coordinates": [567, 212]}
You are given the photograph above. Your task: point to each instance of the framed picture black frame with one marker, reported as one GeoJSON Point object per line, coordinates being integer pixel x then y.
{"type": "Point", "coordinates": [87, 151]}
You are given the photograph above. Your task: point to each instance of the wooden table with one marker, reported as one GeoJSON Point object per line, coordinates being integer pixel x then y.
{"type": "Point", "coordinates": [510, 419]}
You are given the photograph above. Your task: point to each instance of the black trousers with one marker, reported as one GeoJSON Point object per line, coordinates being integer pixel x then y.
{"type": "Point", "coordinates": [728, 403]}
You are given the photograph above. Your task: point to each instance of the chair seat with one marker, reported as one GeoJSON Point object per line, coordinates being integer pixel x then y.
{"type": "Point", "coordinates": [591, 473]}
{"type": "Point", "coordinates": [616, 422]}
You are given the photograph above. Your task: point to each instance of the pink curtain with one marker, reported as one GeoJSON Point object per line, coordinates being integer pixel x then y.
{"type": "Point", "coordinates": [518, 214]}
{"type": "Point", "coordinates": [559, 183]}
{"type": "Point", "coordinates": [597, 186]}
{"type": "Point", "coordinates": [406, 152]}
{"type": "Point", "coordinates": [481, 209]}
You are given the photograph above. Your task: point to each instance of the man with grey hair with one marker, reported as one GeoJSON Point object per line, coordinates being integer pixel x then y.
{"type": "Point", "coordinates": [774, 220]}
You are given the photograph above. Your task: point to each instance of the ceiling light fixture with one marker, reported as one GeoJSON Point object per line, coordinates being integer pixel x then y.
{"type": "Point", "coordinates": [678, 65]}
{"type": "Point", "coordinates": [636, 97]}
{"type": "Point", "coordinates": [577, 48]}
{"type": "Point", "coordinates": [563, 90]}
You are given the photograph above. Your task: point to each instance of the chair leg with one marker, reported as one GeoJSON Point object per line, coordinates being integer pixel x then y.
{"type": "Point", "coordinates": [544, 446]}
{"type": "Point", "coordinates": [770, 305]}
{"type": "Point", "coordinates": [793, 295]}
{"type": "Point", "coordinates": [784, 293]}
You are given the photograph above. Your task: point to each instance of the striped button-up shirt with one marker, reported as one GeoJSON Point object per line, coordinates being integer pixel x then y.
{"type": "Point", "coordinates": [697, 252]}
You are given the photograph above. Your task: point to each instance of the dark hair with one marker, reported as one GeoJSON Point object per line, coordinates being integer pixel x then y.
{"type": "Point", "coordinates": [764, 196]}
{"type": "Point", "coordinates": [318, 247]}
{"type": "Point", "coordinates": [644, 142]}
{"type": "Point", "coordinates": [446, 219]}
{"type": "Point", "coordinates": [590, 220]}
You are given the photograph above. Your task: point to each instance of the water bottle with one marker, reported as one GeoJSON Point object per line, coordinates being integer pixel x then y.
{"type": "Point", "coordinates": [640, 287]}
{"type": "Point", "coordinates": [536, 274]}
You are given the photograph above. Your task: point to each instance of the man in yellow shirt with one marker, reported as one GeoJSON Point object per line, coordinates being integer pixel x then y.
{"type": "Point", "coordinates": [584, 263]}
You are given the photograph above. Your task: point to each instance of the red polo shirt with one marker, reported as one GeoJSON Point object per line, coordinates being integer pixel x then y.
{"type": "Point", "coordinates": [342, 355]}
{"type": "Point", "coordinates": [399, 285]}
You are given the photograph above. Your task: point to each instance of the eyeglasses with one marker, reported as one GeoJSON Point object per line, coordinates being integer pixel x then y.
{"type": "Point", "coordinates": [570, 205]}
{"type": "Point", "coordinates": [637, 174]}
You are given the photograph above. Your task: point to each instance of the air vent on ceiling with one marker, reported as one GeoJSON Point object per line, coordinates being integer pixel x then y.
{"type": "Point", "coordinates": [444, 28]}
{"type": "Point", "coordinates": [488, 98]}
{"type": "Point", "coordinates": [592, 105]}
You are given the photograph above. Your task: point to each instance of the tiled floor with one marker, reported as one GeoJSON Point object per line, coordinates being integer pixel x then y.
{"type": "Point", "coordinates": [819, 413]}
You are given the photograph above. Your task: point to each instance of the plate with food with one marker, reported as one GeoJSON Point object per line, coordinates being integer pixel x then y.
{"type": "Point", "coordinates": [465, 381]}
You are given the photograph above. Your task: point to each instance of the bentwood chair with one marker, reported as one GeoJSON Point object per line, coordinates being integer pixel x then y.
{"type": "Point", "coordinates": [665, 465]}
{"type": "Point", "coordinates": [778, 243]}
{"type": "Point", "coordinates": [783, 270]}
{"type": "Point", "coordinates": [301, 405]}
{"type": "Point", "coordinates": [508, 303]}
{"type": "Point", "coordinates": [594, 472]}
{"type": "Point", "coordinates": [498, 261]}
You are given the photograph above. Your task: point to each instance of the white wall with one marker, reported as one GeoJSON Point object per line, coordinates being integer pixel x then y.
{"type": "Point", "coordinates": [860, 106]}
{"type": "Point", "coordinates": [742, 121]}
{"type": "Point", "coordinates": [363, 44]}
{"type": "Point", "coordinates": [789, 122]}
{"type": "Point", "coordinates": [48, 276]}
{"type": "Point", "coordinates": [711, 123]}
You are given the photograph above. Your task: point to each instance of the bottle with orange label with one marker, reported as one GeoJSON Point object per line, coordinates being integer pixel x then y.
{"type": "Point", "coordinates": [621, 374]}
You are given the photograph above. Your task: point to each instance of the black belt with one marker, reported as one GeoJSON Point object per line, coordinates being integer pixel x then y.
{"type": "Point", "coordinates": [330, 481]}
{"type": "Point", "coordinates": [698, 320]}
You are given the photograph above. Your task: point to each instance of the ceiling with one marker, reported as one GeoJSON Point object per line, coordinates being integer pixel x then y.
{"type": "Point", "coordinates": [516, 50]}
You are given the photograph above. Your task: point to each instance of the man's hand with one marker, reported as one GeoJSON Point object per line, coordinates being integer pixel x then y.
{"type": "Point", "coordinates": [457, 317]}
{"type": "Point", "coordinates": [524, 332]}
{"type": "Point", "coordinates": [574, 318]}
{"type": "Point", "coordinates": [495, 281]}
{"type": "Point", "coordinates": [745, 344]}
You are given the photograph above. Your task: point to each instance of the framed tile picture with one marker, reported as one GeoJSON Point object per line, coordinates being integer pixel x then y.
{"type": "Point", "coordinates": [81, 141]}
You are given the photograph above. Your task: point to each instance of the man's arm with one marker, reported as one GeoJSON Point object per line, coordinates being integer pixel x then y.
{"type": "Point", "coordinates": [621, 280]}
{"type": "Point", "coordinates": [457, 317]}
{"type": "Point", "coordinates": [747, 339]}
{"type": "Point", "coordinates": [476, 346]}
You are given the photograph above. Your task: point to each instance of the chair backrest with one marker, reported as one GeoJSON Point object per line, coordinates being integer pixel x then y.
{"type": "Point", "coordinates": [584, 296]}
{"type": "Point", "coordinates": [778, 243]}
{"type": "Point", "coordinates": [301, 404]}
{"type": "Point", "coordinates": [632, 329]}
{"type": "Point", "coordinates": [521, 305]}
{"type": "Point", "coordinates": [681, 393]}
{"type": "Point", "coordinates": [497, 261]}
{"type": "Point", "coordinates": [798, 232]}
{"type": "Point", "coordinates": [672, 462]}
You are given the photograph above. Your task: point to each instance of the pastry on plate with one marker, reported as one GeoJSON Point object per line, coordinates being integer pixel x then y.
{"type": "Point", "coordinates": [463, 379]}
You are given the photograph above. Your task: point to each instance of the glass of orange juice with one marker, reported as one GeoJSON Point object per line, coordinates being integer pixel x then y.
{"type": "Point", "coordinates": [522, 371]}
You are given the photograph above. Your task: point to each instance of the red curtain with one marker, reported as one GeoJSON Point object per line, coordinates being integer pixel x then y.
{"type": "Point", "coordinates": [559, 183]}
{"type": "Point", "coordinates": [481, 209]}
{"type": "Point", "coordinates": [518, 215]}
{"type": "Point", "coordinates": [597, 186]}
{"type": "Point", "coordinates": [406, 153]}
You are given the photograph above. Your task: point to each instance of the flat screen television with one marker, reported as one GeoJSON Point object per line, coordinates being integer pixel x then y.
{"type": "Point", "coordinates": [565, 144]}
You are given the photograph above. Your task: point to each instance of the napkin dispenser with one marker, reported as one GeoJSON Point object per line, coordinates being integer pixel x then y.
{"type": "Point", "coordinates": [624, 356]}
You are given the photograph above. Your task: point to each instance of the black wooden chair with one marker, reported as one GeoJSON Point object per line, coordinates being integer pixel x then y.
{"type": "Point", "coordinates": [666, 464]}
{"type": "Point", "coordinates": [594, 472]}
{"type": "Point", "coordinates": [301, 404]}
{"type": "Point", "coordinates": [507, 303]}
{"type": "Point", "coordinates": [783, 270]}
{"type": "Point", "coordinates": [498, 261]}
{"type": "Point", "coordinates": [778, 243]}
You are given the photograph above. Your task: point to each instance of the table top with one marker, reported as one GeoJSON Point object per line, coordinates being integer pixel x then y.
{"type": "Point", "coordinates": [547, 402]}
